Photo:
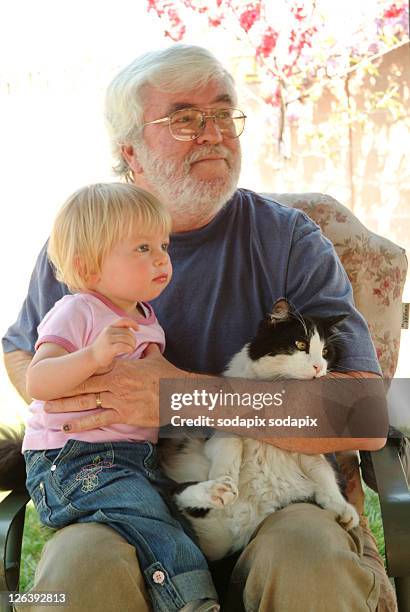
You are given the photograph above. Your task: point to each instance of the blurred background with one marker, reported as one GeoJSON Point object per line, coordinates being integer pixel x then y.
{"type": "Point", "coordinates": [325, 86]}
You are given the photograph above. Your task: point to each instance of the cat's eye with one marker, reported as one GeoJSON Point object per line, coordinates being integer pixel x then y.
{"type": "Point", "coordinates": [301, 345]}
{"type": "Point", "coordinates": [324, 352]}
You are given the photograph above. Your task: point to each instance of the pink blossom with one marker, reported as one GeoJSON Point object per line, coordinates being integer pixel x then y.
{"type": "Point", "coordinates": [268, 43]}
{"type": "Point", "coordinates": [393, 11]}
{"type": "Point", "coordinates": [248, 17]}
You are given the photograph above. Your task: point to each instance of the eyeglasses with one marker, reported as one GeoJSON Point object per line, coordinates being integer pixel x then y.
{"type": "Point", "coordinates": [189, 123]}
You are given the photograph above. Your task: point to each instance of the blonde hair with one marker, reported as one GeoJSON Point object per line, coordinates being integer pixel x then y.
{"type": "Point", "coordinates": [92, 221]}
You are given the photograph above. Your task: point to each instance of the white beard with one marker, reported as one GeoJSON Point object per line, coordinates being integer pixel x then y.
{"type": "Point", "coordinates": [188, 199]}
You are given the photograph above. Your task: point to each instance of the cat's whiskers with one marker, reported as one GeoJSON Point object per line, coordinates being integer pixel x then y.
{"type": "Point", "coordinates": [338, 337]}
{"type": "Point", "coordinates": [334, 341]}
{"type": "Point", "coordinates": [341, 333]}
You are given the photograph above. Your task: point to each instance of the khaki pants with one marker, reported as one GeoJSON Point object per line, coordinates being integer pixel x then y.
{"type": "Point", "coordinates": [300, 560]}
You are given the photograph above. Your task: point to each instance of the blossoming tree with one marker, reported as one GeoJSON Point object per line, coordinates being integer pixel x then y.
{"type": "Point", "coordinates": [299, 46]}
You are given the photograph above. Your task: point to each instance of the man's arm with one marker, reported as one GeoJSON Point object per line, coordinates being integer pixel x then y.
{"type": "Point", "coordinates": [316, 446]}
{"type": "Point", "coordinates": [17, 363]}
{"type": "Point", "coordinates": [130, 391]}
{"type": "Point", "coordinates": [313, 446]}
{"type": "Point", "coordinates": [124, 397]}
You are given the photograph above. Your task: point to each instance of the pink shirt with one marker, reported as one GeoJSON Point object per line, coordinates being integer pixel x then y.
{"type": "Point", "coordinates": [73, 323]}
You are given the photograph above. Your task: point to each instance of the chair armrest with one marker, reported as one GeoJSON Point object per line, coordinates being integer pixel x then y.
{"type": "Point", "coordinates": [394, 496]}
{"type": "Point", "coordinates": [12, 512]}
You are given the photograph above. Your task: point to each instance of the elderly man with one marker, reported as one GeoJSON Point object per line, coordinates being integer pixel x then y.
{"type": "Point", "coordinates": [174, 129]}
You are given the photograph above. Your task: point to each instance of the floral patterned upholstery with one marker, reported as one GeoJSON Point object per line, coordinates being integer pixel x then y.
{"type": "Point", "coordinates": [376, 267]}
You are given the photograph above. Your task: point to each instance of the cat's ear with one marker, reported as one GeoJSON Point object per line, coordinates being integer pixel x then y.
{"type": "Point", "coordinates": [330, 322]}
{"type": "Point", "coordinates": [280, 311]}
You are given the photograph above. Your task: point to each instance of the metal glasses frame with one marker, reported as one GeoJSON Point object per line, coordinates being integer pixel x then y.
{"type": "Point", "coordinates": [205, 116]}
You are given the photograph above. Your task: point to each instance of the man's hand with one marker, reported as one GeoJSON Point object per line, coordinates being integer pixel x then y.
{"type": "Point", "coordinates": [129, 394]}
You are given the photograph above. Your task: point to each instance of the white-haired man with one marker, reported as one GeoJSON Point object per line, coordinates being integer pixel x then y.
{"type": "Point", "coordinates": [174, 128]}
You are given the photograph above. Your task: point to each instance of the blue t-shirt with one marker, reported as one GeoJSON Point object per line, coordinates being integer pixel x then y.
{"type": "Point", "coordinates": [227, 275]}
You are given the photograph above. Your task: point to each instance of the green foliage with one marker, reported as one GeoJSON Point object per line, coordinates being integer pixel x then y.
{"type": "Point", "coordinates": [34, 538]}
{"type": "Point", "coordinates": [372, 511]}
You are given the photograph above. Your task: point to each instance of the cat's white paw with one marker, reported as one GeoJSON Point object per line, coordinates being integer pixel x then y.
{"type": "Point", "coordinates": [348, 517]}
{"type": "Point", "coordinates": [222, 491]}
{"type": "Point", "coordinates": [216, 493]}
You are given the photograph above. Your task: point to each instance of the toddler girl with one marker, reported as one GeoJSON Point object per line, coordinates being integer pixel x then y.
{"type": "Point", "coordinates": [109, 244]}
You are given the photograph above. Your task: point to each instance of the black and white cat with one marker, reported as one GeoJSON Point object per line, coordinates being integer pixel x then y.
{"type": "Point", "coordinates": [231, 484]}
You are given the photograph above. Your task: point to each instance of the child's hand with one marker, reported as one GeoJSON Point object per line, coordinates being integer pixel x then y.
{"type": "Point", "coordinates": [115, 339]}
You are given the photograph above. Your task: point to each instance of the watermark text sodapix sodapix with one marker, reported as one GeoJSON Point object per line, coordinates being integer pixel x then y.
{"type": "Point", "coordinates": [209, 401]}
{"type": "Point", "coordinates": [221, 399]}
{"type": "Point", "coordinates": [320, 407]}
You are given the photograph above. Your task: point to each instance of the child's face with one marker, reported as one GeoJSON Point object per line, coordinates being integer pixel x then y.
{"type": "Point", "coordinates": [136, 270]}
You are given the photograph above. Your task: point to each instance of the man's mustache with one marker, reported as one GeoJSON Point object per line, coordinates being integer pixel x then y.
{"type": "Point", "coordinates": [206, 151]}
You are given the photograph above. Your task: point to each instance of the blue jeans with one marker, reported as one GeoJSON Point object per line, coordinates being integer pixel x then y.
{"type": "Point", "coordinates": [120, 484]}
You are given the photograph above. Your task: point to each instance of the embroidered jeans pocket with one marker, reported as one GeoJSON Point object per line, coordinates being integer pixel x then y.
{"type": "Point", "coordinates": [79, 469]}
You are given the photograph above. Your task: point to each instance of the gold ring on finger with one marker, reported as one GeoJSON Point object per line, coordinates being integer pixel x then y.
{"type": "Point", "coordinates": [98, 400]}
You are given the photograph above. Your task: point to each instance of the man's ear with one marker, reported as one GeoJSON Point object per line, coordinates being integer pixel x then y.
{"type": "Point", "coordinates": [130, 156]}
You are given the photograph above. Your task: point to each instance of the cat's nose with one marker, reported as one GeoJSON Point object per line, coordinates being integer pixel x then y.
{"type": "Point", "coordinates": [317, 369]}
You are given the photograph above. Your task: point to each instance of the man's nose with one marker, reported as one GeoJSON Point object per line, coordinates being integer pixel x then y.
{"type": "Point", "coordinates": [210, 132]}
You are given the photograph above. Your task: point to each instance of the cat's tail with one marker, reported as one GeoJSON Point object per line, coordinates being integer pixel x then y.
{"type": "Point", "coordinates": [12, 464]}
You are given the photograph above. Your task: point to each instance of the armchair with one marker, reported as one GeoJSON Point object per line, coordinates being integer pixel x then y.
{"type": "Point", "coordinates": [377, 269]}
